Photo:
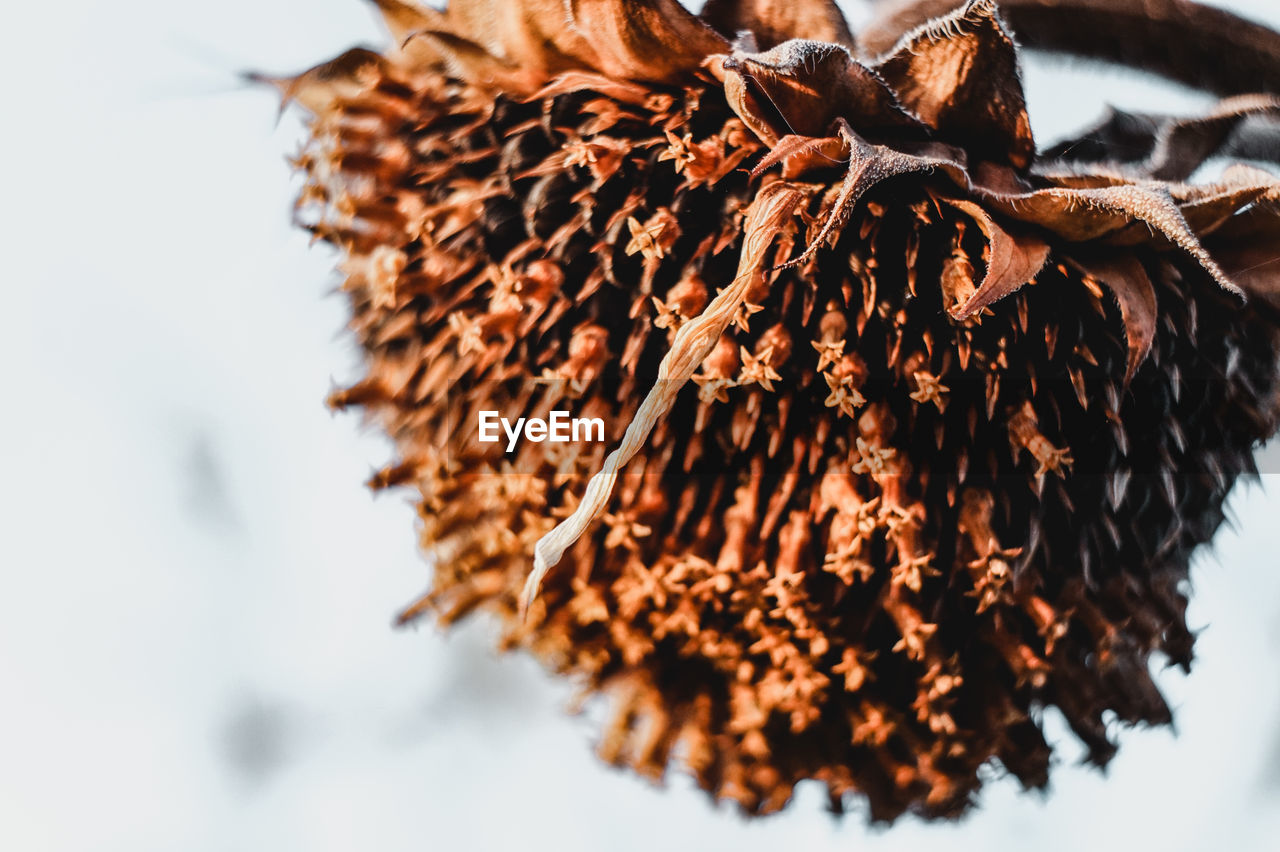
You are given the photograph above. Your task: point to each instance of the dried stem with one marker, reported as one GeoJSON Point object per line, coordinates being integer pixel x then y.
{"type": "Point", "coordinates": [1200, 46]}
{"type": "Point", "coordinates": [692, 344]}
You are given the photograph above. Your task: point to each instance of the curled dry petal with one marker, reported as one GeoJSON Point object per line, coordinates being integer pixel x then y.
{"type": "Point", "coordinates": [1248, 247]}
{"type": "Point", "coordinates": [959, 74]}
{"type": "Point", "coordinates": [319, 88]}
{"type": "Point", "coordinates": [536, 35]}
{"type": "Point", "coordinates": [800, 154]}
{"type": "Point", "coordinates": [579, 81]}
{"type": "Point", "coordinates": [519, 45]}
{"type": "Point", "coordinates": [801, 87]}
{"type": "Point", "coordinates": [405, 21]}
{"type": "Point", "coordinates": [469, 61]}
{"type": "Point", "coordinates": [1012, 261]}
{"type": "Point", "coordinates": [868, 165]}
{"type": "Point", "coordinates": [1128, 282]}
{"type": "Point", "coordinates": [772, 22]}
{"type": "Point", "coordinates": [657, 41]}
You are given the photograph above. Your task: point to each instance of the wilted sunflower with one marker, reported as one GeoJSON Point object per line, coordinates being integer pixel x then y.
{"type": "Point", "coordinates": [913, 428]}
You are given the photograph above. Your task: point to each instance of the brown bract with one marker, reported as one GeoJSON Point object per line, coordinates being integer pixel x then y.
{"type": "Point", "coordinates": [912, 430]}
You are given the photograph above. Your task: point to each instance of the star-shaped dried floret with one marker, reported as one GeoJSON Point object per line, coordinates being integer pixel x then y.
{"type": "Point", "coordinates": [647, 239]}
{"type": "Point", "coordinates": [742, 319]}
{"type": "Point", "coordinates": [623, 530]}
{"type": "Point", "coordinates": [756, 369]}
{"type": "Point", "coordinates": [872, 459]}
{"type": "Point", "coordinates": [929, 388]}
{"type": "Point", "coordinates": [844, 395]}
{"type": "Point", "coordinates": [910, 572]}
{"type": "Point", "coordinates": [678, 149]}
{"type": "Point", "coordinates": [829, 351]}
{"type": "Point", "coordinates": [468, 331]}
{"type": "Point", "coordinates": [713, 388]}
{"type": "Point", "coordinates": [668, 316]}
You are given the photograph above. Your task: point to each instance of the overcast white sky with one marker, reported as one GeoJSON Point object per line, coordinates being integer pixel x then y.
{"type": "Point", "coordinates": [195, 641]}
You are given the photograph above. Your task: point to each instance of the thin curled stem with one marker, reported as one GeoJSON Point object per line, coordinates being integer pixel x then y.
{"type": "Point", "coordinates": [695, 340]}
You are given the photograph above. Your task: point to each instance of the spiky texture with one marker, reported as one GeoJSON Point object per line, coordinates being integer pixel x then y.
{"type": "Point", "coordinates": [914, 430]}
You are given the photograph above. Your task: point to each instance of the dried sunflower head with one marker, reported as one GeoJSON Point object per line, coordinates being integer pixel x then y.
{"type": "Point", "coordinates": [911, 428]}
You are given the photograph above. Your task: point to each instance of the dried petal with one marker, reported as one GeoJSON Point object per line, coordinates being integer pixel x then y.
{"type": "Point", "coordinates": [1128, 282]}
{"type": "Point", "coordinates": [800, 87]}
{"type": "Point", "coordinates": [959, 74]}
{"type": "Point", "coordinates": [657, 41]}
{"type": "Point", "coordinates": [1248, 248]}
{"type": "Point", "coordinates": [471, 62]}
{"type": "Point", "coordinates": [1012, 261]}
{"type": "Point", "coordinates": [774, 21]}
{"type": "Point", "coordinates": [320, 88]}
{"type": "Point", "coordinates": [404, 21]}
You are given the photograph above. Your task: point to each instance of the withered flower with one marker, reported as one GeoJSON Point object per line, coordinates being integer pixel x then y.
{"type": "Point", "coordinates": [913, 428]}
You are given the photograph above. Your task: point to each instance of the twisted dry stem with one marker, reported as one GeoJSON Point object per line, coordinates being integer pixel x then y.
{"type": "Point", "coordinates": [693, 343]}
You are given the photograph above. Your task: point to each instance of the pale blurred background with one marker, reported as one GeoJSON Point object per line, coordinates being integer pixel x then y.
{"type": "Point", "coordinates": [195, 640]}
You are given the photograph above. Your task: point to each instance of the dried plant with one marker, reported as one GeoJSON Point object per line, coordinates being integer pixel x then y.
{"type": "Point", "coordinates": [915, 427]}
